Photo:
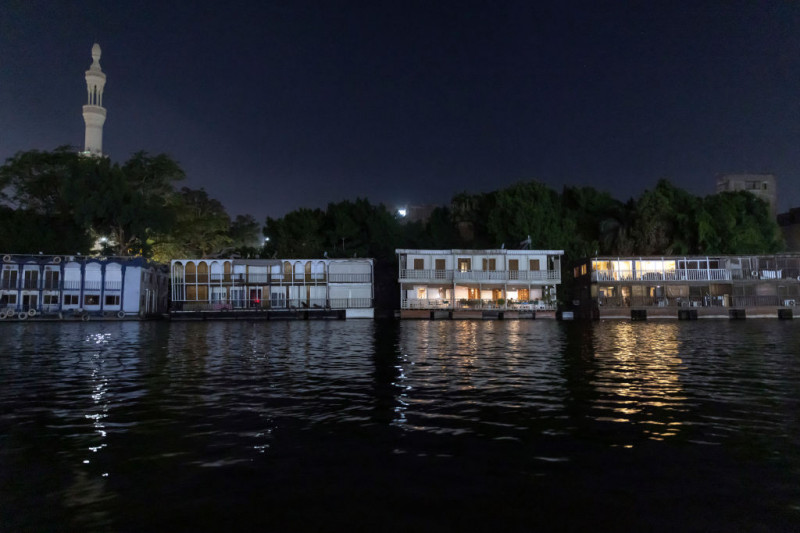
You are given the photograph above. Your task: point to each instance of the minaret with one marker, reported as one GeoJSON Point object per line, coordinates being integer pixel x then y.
{"type": "Point", "coordinates": [94, 114]}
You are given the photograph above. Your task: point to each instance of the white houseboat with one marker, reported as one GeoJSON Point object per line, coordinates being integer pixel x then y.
{"type": "Point", "coordinates": [272, 288]}
{"type": "Point", "coordinates": [57, 286]}
{"type": "Point", "coordinates": [688, 287]}
{"type": "Point", "coordinates": [478, 283]}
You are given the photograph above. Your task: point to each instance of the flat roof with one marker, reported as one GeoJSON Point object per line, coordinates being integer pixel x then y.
{"type": "Point", "coordinates": [498, 251]}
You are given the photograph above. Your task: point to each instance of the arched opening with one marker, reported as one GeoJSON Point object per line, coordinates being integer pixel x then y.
{"type": "Point", "coordinates": [202, 272]}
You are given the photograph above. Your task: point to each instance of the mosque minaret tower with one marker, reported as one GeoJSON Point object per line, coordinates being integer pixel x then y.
{"type": "Point", "coordinates": [94, 114]}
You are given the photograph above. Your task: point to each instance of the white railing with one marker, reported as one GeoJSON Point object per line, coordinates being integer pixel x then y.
{"type": "Point", "coordinates": [408, 274]}
{"type": "Point", "coordinates": [275, 304]}
{"type": "Point", "coordinates": [438, 303]}
{"type": "Point", "coordinates": [713, 274]}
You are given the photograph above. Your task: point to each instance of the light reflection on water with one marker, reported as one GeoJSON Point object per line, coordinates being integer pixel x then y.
{"type": "Point", "coordinates": [102, 409]}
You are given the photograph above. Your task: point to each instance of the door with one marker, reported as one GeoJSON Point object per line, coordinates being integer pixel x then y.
{"type": "Point", "coordinates": [513, 269]}
{"type": "Point", "coordinates": [255, 297]}
{"type": "Point", "coordinates": [30, 301]}
{"type": "Point", "coordinates": [277, 299]}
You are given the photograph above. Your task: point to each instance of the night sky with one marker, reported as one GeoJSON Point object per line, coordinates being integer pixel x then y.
{"type": "Point", "coordinates": [271, 106]}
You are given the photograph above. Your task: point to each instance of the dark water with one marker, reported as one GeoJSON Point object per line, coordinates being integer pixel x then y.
{"type": "Point", "coordinates": [412, 426]}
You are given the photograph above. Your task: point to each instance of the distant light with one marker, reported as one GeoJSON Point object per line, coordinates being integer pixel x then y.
{"type": "Point", "coordinates": [104, 239]}
{"type": "Point", "coordinates": [402, 212]}
{"type": "Point", "coordinates": [266, 239]}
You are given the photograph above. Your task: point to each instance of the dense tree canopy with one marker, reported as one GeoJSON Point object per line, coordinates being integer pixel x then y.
{"type": "Point", "coordinates": [61, 202]}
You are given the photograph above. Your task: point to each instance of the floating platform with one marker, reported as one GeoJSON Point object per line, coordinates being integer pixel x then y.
{"type": "Point", "coordinates": [288, 314]}
{"type": "Point", "coordinates": [473, 314]}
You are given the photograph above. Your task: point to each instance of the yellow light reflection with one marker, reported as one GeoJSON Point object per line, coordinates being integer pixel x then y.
{"type": "Point", "coordinates": [638, 377]}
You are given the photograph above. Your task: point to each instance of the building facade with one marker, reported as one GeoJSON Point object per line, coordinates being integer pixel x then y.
{"type": "Point", "coordinates": [81, 287]}
{"type": "Point", "coordinates": [479, 279]}
{"type": "Point", "coordinates": [275, 285]}
{"type": "Point", "coordinates": [700, 286]}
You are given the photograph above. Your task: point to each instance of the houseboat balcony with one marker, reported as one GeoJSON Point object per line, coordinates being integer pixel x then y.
{"type": "Point", "coordinates": [274, 305]}
{"type": "Point", "coordinates": [72, 286]}
{"type": "Point", "coordinates": [717, 274]}
{"type": "Point", "coordinates": [701, 301]}
{"type": "Point", "coordinates": [411, 275]}
{"type": "Point", "coordinates": [713, 274]}
{"type": "Point", "coordinates": [92, 285]}
{"type": "Point", "coordinates": [113, 285]}
{"type": "Point", "coordinates": [438, 303]}
{"type": "Point", "coordinates": [350, 278]}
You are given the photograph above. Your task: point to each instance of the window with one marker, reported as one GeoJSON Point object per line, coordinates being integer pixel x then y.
{"type": "Point", "coordinates": [91, 299]}
{"type": "Point", "coordinates": [112, 299]}
{"type": "Point", "coordinates": [535, 264]}
{"type": "Point", "coordinates": [523, 295]}
{"type": "Point", "coordinates": [513, 264]}
{"type": "Point", "coordinates": [70, 299]}
{"type": "Point", "coordinates": [464, 264]}
{"type": "Point", "coordinates": [51, 278]}
{"type": "Point", "coordinates": [31, 279]}
{"type": "Point", "coordinates": [50, 299]}
{"type": "Point", "coordinates": [419, 264]}
{"type": "Point", "coordinates": [9, 279]}
{"type": "Point", "coordinates": [440, 264]}
{"type": "Point", "coordinates": [489, 264]}
{"type": "Point", "coordinates": [8, 299]}
{"type": "Point", "coordinates": [474, 294]}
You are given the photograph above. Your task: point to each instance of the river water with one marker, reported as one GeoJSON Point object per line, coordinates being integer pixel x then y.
{"type": "Point", "coordinates": [400, 426]}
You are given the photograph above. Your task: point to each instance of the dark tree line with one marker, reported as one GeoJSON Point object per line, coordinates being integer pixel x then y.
{"type": "Point", "coordinates": [580, 220]}
{"type": "Point", "coordinates": [62, 202]}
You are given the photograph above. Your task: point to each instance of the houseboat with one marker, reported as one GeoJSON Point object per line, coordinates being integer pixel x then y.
{"type": "Point", "coordinates": [76, 287]}
{"type": "Point", "coordinates": [688, 287]}
{"type": "Point", "coordinates": [478, 283]}
{"type": "Point", "coordinates": [271, 288]}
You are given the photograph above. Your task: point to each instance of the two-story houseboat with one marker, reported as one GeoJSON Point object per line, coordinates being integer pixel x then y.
{"type": "Point", "coordinates": [272, 288]}
{"type": "Point", "coordinates": [478, 283]}
{"type": "Point", "coordinates": [56, 286]}
{"type": "Point", "coordinates": [688, 287]}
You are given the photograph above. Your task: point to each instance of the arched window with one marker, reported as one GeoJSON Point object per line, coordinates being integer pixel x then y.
{"type": "Point", "coordinates": [216, 272]}
{"type": "Point", "coordinates": [191, 272]}
{"type": "Point", "coordinates": [202, 272]}
{"type": "Point", "coordinates": [177, 272]}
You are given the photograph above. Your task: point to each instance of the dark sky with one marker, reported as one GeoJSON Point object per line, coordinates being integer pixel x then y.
{"type": "Point", "coordinates": [276, 105]}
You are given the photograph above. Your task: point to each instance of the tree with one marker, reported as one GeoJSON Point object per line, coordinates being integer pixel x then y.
{"type": "Point", "coordinates": [737, 222]}
{"type": "Point", "coordinates": [201, 227]}
{"type": "Point", "coordinates": [665, 221]}
{"type": "Point", "coordinates": [245, 233]}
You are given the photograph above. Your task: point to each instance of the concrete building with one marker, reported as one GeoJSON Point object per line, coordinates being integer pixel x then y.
{"type": "Point", "coordinates": [272, 288]}
{"type": "Point", "coordinates": [761, 185]}
{"type": "Point", "coordinates": [469, 282]}
{"type": "Point", "coordinates": [94, 114]}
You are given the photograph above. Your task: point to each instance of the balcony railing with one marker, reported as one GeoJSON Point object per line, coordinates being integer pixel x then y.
{"type": "Point", "coordinates": [292, 304]}
{"type": "Point", "coordinates": [438, 303]}
{"type": "Point", "coordinates": [408, 274]}
{"type": "Point", "coordinates": [702, 274]}
{"type": "Point", "coordinates": [312, 278]}
{"type": "Point", "coordinates": [350, 278]}
{"type": "Point", "coordinates": [698, 301]}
